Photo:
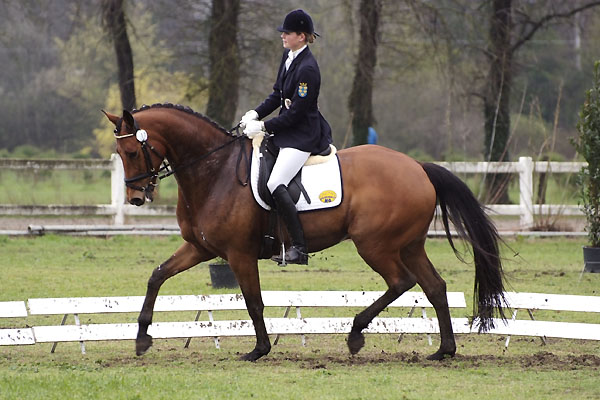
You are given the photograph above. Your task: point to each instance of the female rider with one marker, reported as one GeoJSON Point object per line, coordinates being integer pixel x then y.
{"type": "Point", "coordinates": [299, 130]}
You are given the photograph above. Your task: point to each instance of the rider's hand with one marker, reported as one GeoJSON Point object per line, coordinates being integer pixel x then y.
{"type": "Point", "coordinates": [253, 128]}
{"type": "Point", "coordinates": [251, 115]}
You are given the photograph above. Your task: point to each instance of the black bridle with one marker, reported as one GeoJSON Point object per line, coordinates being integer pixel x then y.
{"type": "Point", "coordinates": [142, 137]}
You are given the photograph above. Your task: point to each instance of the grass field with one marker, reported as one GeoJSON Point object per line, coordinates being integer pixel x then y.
{"type": "Point", "coordinates": [54, 266]}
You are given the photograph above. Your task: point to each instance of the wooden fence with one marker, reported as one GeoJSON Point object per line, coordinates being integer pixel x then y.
{"type": "Point", "coordinates": [525, 168]}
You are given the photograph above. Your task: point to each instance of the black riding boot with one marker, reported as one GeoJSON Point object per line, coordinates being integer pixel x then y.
{"type": "Point", "coordinates": [286, 209]}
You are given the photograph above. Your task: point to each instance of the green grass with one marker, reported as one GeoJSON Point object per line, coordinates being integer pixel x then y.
{"type": "Point", "coordinates": [560, 188]}
{"type": "Point", "coordinates": [53, 266]}
{"type": "Point", "coordinates": [32, 187]}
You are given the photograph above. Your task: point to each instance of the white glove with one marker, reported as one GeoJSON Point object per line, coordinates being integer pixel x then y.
{"type": "Point", "coordinates": [251, 115]}
{"type": "Point", "coordinates": [253, 128]}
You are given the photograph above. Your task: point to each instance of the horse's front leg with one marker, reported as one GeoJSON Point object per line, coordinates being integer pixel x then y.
{"type": "Point", "coordinates": [184, 258]}
{"type": "Point", "coordinates": [246, 273]}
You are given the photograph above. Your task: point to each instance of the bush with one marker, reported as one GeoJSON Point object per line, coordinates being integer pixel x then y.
{"type": "Point", "coordinates": [588, 146]}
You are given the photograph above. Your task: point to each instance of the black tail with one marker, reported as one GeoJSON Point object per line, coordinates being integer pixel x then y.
{"type": "Point", "coordinates": [458, 204]}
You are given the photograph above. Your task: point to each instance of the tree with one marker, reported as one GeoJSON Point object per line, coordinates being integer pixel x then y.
{"type": "Point", "coordinates": [224, 62]}
{"type": "Point", "coordinates": [504, 41]}
{"type": "Point", "coordinates": [114, 22]}
{"type": "Point", "coordinates": [511, 25]}
{"type": "Point", "coordinates": [361, 98]}
{"type": "Point", "coordinates": [496, 99]}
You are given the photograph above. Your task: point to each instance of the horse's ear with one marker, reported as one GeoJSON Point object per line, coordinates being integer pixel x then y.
{"type": "Point", "coordinates": [129, 121]}
{"type": "Point", "coordinates": [113, 118]}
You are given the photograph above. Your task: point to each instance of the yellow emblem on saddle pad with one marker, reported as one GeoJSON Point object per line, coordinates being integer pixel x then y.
{"type": "Point", "coordinates": [327, 196]}
{"type": "Point", "coordinates": [302, 89]}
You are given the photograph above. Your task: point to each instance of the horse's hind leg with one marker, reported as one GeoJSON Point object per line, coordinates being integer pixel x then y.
{"type": "Point", "coordinates": [184, 258]}
{"type": "Point", "coordinates": [398, 279]}
{"type": "Point", "coordinates": [435, 289]}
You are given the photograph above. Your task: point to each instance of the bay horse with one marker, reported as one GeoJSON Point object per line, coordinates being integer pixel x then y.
{"type": "Point", "coordinates": [389, 202]}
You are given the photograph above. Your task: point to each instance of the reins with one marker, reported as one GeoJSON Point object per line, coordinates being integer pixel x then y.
{"type": "Point", "coordinates": [142, 136]}
{"type": "Point", "coordinates": [236, 137]}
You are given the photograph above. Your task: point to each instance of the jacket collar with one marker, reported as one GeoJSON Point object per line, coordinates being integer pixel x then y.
{"type": "Point", "coordinates": [296, 60]}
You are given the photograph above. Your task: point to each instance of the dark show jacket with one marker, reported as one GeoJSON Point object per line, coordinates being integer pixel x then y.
{"type": "Point", "coordinates": [301, 126]}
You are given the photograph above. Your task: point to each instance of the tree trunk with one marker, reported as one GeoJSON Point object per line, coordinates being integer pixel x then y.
{"type": "Point", "coordinates": [224, 62]}
{"type": "Point", "coordinates": [497, 99]}
{"type": "Point", "coordinates": [114, 21]}
{"type": "Point", "coordinates": [361, 98]}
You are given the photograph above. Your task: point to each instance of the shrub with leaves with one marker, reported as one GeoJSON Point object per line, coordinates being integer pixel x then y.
{"type": "Point", "coordinates": [588, 146]}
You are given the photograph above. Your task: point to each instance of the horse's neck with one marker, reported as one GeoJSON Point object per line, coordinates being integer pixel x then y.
{"type": "Point", "coordinates": [197, 162]}
{"type": "Point", "coordinates": [187, 141]}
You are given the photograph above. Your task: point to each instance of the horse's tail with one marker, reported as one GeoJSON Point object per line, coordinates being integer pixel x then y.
{"type": "Point", "coordinates": [459, 205]}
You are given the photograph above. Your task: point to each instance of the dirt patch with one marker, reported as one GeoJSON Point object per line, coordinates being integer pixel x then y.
{"type": "Point", "coordinates": [541, 361]}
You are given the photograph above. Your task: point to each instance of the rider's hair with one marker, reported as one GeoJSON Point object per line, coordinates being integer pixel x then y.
{"type": "Point", "coordinates": [310, 37]}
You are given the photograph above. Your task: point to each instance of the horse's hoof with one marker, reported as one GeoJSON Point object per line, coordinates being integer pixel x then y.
{"type": "Point", "coordinates": [356, 341]}
{"type": "Point", "coordinates": [142, 344]}
{"type": "Point", "coordinates": [253, 355]}
{"type": "Point", "coordinates": [441, 355]}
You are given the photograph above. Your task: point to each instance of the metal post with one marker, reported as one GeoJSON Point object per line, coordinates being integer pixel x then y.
{"type": "Point", "coordinates": [533, 319]}
{"type": "Point", "coordinates": [299, 316]}
{"type": "Point", "coordinates": [514, 317]}
{"type": "Point", "coordinates": [62, 323]}
{"type": "Point", "coordinates": [216, 338]}
{"type": "Point", "coordinates": [78, 323]}
{"type": "Point", "coordinates": [424, 314]}
{"type": "Point", "coordinates": [285, 314]}
{"type": "Point", "coordinates": [187, 343]}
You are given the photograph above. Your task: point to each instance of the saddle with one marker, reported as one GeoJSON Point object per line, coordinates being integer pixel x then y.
{"type": "Point", "coordinates": [268, 155]}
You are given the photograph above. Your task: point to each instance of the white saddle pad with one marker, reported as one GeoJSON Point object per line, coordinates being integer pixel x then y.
{"type": "Point", "coordinates": [322, 182]}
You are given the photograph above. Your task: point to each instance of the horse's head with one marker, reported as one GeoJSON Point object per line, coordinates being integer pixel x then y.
{"type": "Point", "coordinates": [141, 158]}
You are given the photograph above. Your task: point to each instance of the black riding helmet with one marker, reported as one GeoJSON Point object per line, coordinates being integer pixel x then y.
{"type": "Point", "coordinates": [298, 21]}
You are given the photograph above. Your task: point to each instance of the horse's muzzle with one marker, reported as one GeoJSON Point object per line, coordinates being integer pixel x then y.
{"type": "Point", "coordinates": [137, 198]}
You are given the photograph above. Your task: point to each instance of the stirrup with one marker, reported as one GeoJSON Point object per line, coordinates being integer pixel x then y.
{"type": "Point", "coordinates": [293, 255]}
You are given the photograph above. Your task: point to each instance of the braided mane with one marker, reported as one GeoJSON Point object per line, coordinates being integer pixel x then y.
{"type": "Point", "coordinates": [186, 110]}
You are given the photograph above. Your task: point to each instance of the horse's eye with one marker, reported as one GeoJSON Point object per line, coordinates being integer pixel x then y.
{"type": "Point", "coordinates": [131, 154]}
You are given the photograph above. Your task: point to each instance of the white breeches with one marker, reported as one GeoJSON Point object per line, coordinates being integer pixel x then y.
{"type": "Point", "coordinates": [288, 163]}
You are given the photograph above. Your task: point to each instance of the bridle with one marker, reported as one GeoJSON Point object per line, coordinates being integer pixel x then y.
{"type": "Point", "coordinates": [142, 137]}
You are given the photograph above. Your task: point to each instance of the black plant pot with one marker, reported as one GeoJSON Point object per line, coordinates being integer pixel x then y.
{"type": "Point", "coordinates": [591, 258]}
{"type": "Point", "coordinates": [221, 276]}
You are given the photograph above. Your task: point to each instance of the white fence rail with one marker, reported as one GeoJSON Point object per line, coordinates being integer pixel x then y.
{"type": "Point", "coordinates": [117, 207]}
{"type": "Point", "coordinates": [215, 304]}
{"type": "Point", "coordinates": [547, 302]}
{"type": "Point", "coordinates": [525, 168]}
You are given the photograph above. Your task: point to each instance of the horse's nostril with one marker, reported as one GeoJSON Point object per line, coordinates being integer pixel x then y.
{"type": "Point", "coordinates": [136, 201]}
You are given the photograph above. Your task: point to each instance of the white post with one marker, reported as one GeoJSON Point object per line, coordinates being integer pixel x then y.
{"type": "Point", "coordinates": [526, 192]}
{"type": "Point", "coordinates": [117, 194]}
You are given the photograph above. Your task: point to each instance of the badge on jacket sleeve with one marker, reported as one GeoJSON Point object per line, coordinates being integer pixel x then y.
{"type": "Point", "coordinates": [302, 89]}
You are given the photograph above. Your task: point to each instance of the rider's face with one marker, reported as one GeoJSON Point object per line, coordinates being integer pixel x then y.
{"type": "Point", "coordinates": [293, 40]}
